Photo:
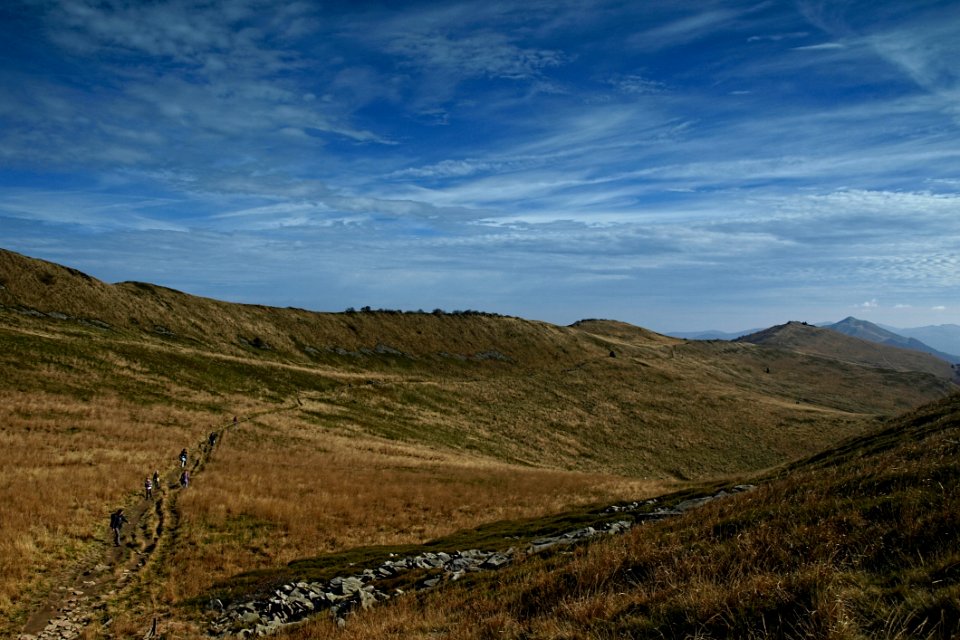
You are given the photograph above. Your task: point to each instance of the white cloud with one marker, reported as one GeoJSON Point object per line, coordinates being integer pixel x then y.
{"type": "Point", "coordinates": [636, 84]}
{"type": "Point", "coordinates": [95, 211]}
{"type": "Point", "coordinates": [777, 37]}
{"type": "Point", "coordinates": [689, 28]}
{"type": "Point", "coordinates": [483, 54]}
{"type": "Point", "coordinates": [584, 146]}
{"type": "Point", "coordinates": [466, 167]}
{"type": "Point", "coordinates": [823, 46]}
{"type": "Point", "coordinates": [209, 37]}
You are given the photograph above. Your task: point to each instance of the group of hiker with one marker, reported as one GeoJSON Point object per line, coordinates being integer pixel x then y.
{"type": "Point", "coordinates": [118, 518]}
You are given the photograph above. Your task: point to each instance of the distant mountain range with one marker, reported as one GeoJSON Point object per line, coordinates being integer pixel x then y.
{"type": "Point", "coordinates": [874, 333]}
{"type": "Point", "coordinates": [945, 337]}
{"type": "Point", "coordinates": [711, 335]}
{"type": "Point", "coordinates": [838, 345]}
{"type": "Point", "coordinates": [942, 341]}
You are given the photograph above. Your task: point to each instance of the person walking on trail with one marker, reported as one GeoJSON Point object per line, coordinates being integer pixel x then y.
{"type": "Point", "coordinates": [148, 487]}
{"type": "Point", "coordinates": [184, 479]}
{"type": "Point", "coordinates": [117, 520]}
{"type": "Point", "coordinates": [212, 438]}
{"type": "Point", "coordinates": [183, 458]}
{"type": "Point", "coordinates": [156, 480]}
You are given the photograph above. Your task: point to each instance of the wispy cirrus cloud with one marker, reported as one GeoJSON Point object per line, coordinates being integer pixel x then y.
{"type": "Point", "coordinates": [823, 46]}
{"type": "Point", "coordinates": [174, 83]}
{"type": "Point", "coordinates": [636, 84]}
{"type": "Point", "coordinates": [672, 154]}
{"type": "Point", "coordinates": [685, 28]}
{"type": "Point", "coordinates": [209, 38]}
{"type": "Point", "coordinates": [473, 55]}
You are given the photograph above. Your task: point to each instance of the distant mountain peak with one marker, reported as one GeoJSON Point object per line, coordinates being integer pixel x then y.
{"type": "Point", "coordinates": [871, 332]}
{"type": "Point", "coordinates": [856, 341]}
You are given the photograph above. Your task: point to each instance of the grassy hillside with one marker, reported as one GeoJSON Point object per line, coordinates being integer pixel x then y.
{"type": "Point", "coordinates": [862, 541]}
{"type": "Point", "coordinates": [524, 392]}
{"type": "Point", "coordinates": [363, 428]}
{"type": "Point", "coordinates": [805, 338]}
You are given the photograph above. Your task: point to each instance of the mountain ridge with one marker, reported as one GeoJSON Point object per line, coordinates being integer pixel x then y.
{"type": "Point", "coordinates": [942, 340]}
{"type": "Point", "coordinates": [944, 337]}
{"type": "Point", "coordinates": [828, 343]}
{"type": "Point", "coordinates": [639, 387]}
{"type": "Point", "coordinates": [866, 330]}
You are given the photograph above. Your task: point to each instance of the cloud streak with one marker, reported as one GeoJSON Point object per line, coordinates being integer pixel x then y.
{"type": "Point", "coordinates": [756, 161]}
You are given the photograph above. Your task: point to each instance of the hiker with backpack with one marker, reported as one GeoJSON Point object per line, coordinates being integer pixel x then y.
{"type": "Point", "coordinates": [148, 487]}
{"type": "Point", "coordinates": [183, 458]}
{"type": "Point", "coordinates": [117, 520]}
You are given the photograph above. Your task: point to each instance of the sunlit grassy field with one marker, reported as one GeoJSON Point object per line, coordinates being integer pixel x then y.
{"type": "Point", "coordinates": [68, 464]}
{"type": "Point", "coordinates": [360, 429]}
{"type": "Point", "coordinates": [862, 542]}
{"type": "Point", "coordinates": [290, 480]}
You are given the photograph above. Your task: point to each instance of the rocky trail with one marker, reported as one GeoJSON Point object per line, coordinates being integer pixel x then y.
{"type": "Point", "coordinates": [82, 598]}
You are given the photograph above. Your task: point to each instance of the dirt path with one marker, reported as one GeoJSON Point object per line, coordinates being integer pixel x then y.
{"type": "Point", "coordinates": [83, 597]}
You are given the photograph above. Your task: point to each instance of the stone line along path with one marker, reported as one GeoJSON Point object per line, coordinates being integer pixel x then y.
{"type": "Point", "coordinates": [297, 601]}
{"type": "Point", "coordinates": [83, 597]}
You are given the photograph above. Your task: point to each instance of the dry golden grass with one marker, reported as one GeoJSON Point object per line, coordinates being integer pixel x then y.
{"type": "Point", "coordinates": [860, 543]}
{"type": "Point", "coordinates": [68, 464]}
{"type": "Point", "coordinates": [381, 448]}
{"type": "Point", "coordinates": [278, 490]}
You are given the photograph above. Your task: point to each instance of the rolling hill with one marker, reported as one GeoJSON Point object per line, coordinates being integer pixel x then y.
{"type": "Point", "coordinates": [360, 428]}
{"type": "Point", "coordinates": [873, 333]}
{"type": "Point", "coordinates": [829, 343]}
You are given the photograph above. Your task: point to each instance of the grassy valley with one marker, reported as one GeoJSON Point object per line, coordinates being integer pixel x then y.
{"type": "Point", "coordinates": [372, 428]}
{"type": "Point", "coordinates": [860, 541]}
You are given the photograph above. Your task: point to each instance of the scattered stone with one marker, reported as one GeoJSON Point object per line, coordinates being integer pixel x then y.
{"type": "Point", "coordinates": [693, 503]}
{"type": "Point", "coordinates": [30, 312]}
{"type": "Point", "coordinates": [492, 355]}
{"type": "Point", "coordinates": [294, 602]}
{"type": "Point", "coordinates": [386, 350]}
{"type": "Point", "coordinates": [163, 331]}
{"type": "Point", "coordinates": [495, 561]}
{"type": "Point", "coordinates": [93, 322]}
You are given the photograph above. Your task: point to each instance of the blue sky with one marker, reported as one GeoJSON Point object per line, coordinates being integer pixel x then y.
{"type": "Point", "coordinates": [679, 165]}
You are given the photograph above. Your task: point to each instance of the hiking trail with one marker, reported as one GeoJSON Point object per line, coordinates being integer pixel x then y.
{"type": "Point", "coordinates": [86, 590]}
